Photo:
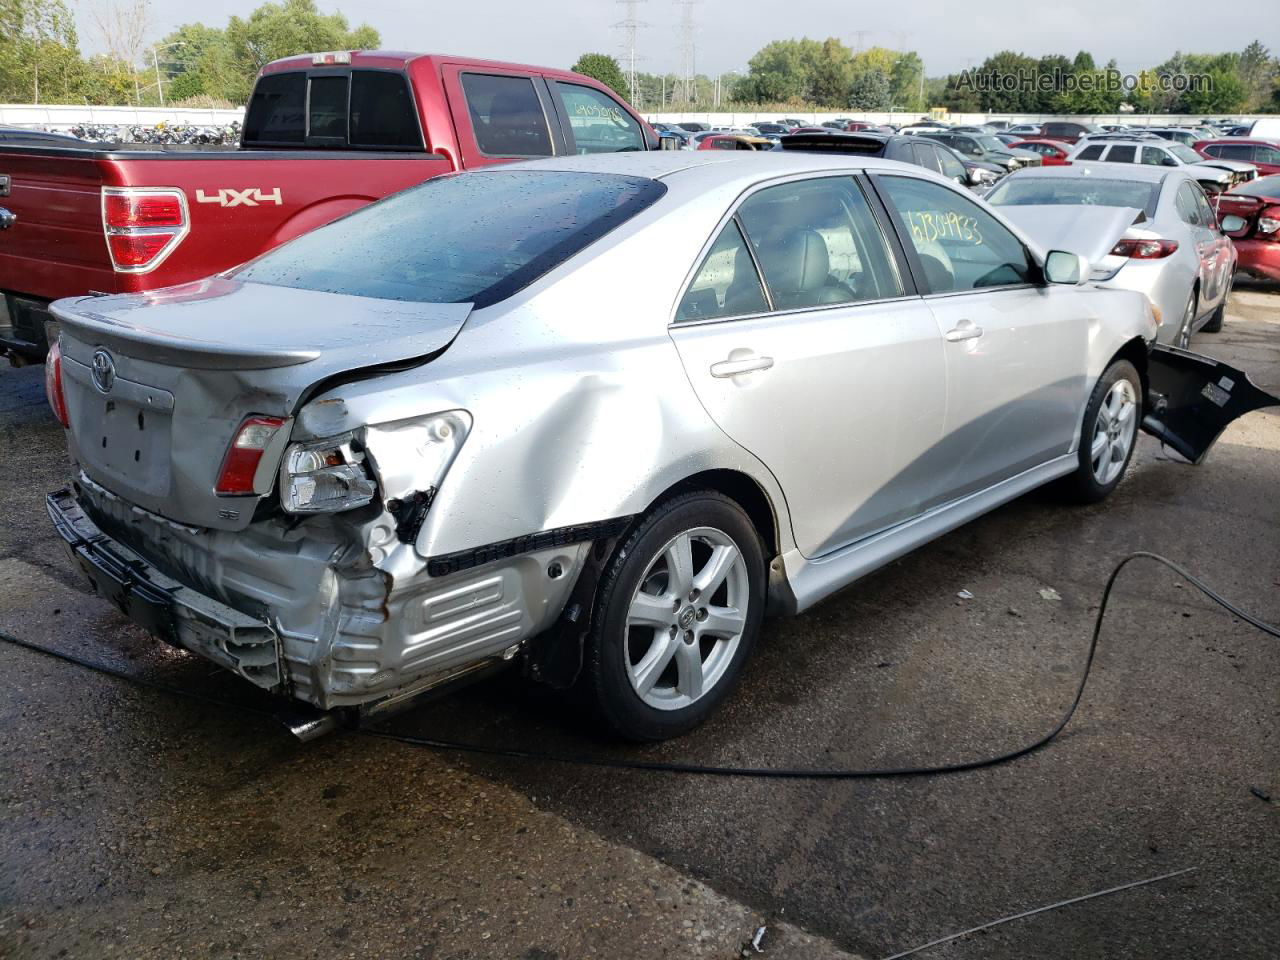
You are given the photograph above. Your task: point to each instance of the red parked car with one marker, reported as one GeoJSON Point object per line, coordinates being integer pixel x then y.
{"type": "Point", "coordinates": [323, 134]}
{"type": "Point", "coordinates": [1263, 154]}
{"type": "Point", "coordinates": [1257, 203]}
{"type": "Point", "coordinates": [1054, 152]}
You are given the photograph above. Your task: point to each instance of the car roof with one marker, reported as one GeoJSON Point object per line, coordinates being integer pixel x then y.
{"type": "Point", "coordinates": [1108, 171]}
{"type": "Point", "coordinates": [715, 167]}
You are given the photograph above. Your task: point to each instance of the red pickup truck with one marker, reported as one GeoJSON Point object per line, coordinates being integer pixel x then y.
{"type": "Point", "coordinates": [323, 134]}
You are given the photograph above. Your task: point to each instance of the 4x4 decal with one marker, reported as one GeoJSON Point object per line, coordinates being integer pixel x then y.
{"type": "Point", "coordinates": [249, 197]}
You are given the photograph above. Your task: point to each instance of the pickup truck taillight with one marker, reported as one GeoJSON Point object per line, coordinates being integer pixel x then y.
{"type": "Point", "coordinates": [143, 225]}
{"type": "Point", "coordinates": [53, 383]}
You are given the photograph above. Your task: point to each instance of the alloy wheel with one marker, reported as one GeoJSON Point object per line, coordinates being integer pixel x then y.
{"type": "Point", "coordinates": [1114, 431]}
{"type": "Point", "coordinates": [686, 618]}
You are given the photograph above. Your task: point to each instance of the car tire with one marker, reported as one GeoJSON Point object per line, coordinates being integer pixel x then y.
{"type": "Point", "coordinates": [1182, 339]}
{"type": "Point", "coordinates": [662, 655]}
{"type": "Point", "coordinates": [1117, 392]}
{"type": "Point", "coordinates": [1214, 323]}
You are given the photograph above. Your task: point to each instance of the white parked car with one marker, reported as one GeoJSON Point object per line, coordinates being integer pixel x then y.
{"type": "Point", "coordinates": [1149, 229]}
{"type": "Point", "coordinates": [1214, 175]}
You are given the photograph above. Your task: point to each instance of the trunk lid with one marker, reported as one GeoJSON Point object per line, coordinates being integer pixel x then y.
{"type": "Point", "coordinates": [157, 384]}
{"type": "Point", "coordinates": [1088, 230]}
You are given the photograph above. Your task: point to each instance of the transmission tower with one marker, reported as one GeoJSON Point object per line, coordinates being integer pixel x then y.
{"type": "Point", "coordinates": [861, 42]}
{"type": "Point", "coordinates": [688, 49]}
{"type": "Point", "coordinates": [629, 25]}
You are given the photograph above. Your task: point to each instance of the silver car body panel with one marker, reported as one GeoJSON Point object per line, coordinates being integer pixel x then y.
{"type": "Point", "coordinates": [586, 405]}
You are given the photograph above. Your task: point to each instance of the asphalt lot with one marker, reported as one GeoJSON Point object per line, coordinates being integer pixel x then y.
{"type": "Point", "coordinates": [137, 825]}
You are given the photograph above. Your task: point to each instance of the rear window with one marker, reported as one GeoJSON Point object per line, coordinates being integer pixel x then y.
{"type": "Point", "coordinates": [1072, 191]}
{"type": "Point", "coordinates": [277, 110]}
{"type": "Point", "coordinates": [382, 111]}
{"type": "Point", "coordinates": [1262, 187]}
{"type": "Point", "coordinates": [466, 238]}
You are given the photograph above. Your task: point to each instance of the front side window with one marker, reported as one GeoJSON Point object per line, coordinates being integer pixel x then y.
{"type": "Point", "coordinates": [597, 122]}
{"type": "Point", "coordinates": [277, 111]}
{"type": "Point", "coordinates": [1264, 154]}
{"type": "Point", "coordinates": [1153, 156]}
{"type": "Point", "coordinates": [926, 155]}
{"type": "Point", "coordinates": [818, 243]}
{"type": "Point", "coordinates": [467, 238]}
{"type": "Point", "coordinates": [727, 284]}
{"type": "Point", "coordinates": [1091, 152]}
{"type": "Point", "coordinates": [960, 245]}
{"type": "Point", "coordinates": [506, 115]}
{"type": "Point", "coordinates": [951, 165]}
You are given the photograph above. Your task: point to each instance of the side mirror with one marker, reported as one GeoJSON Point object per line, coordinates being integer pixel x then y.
{"type": "Point", "coordinates": [1231, 223]}
{"type": "Point", "coordinates": [668, 143]}
{"type": "Point", "coordinates": [1063, 267]}
{"type": "Point", "coordinates": [1168, 162]}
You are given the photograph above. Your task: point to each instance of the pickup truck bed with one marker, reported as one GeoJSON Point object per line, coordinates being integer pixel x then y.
{"type": "Point", "coordinates": [324, 134]}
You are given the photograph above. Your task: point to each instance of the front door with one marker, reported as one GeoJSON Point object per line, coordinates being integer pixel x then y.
{"type": "Point", "coordinates": [1015, 350]}
{"type": "Point", "coordinates": [829, 372]}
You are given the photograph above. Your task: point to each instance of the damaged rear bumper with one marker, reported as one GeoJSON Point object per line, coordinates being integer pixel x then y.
{"type": "Point", "coordinates": [1192, 398]}
{"type": "Point", "coordinates": [175, 613]}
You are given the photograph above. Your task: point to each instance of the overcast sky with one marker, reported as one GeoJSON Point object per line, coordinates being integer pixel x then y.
{"type": "Point", "coordinates": [1136, 33]}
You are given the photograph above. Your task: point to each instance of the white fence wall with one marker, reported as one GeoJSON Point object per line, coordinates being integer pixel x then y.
{"type": "Point", "coordinates": [62, 116]}
{"type": "Point", "coordinates": [737, 119]}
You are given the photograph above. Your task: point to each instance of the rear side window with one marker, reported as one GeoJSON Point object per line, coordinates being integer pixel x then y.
{"type": "Point", "coordinates": [1091, 152]}
{"type": "Point", "coordinates": [1234, 151]}
{"type": "Point", "coordinates": [277, 110]}
{"type": "Point", "coordinates": [507, 116]}
{"type": "Point", "coordinates": [1122, 153]}
{"type": "Point", "coordinates": [951, 165]}
{"type": "Point", "coordinates": [382, 111]}
{"type": "Point", "coordinates": [471, 238]}
{"type": "Point", "coordinates": [727, 284]}
{"type": "Point", "coordinates": [597, 122]}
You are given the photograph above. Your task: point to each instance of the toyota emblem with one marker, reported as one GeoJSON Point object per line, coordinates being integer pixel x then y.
{"type": "Point", "coordinates": [104, 371]}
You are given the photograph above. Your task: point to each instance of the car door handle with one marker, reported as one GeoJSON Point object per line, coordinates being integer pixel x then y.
{"type": "Point", "coordinates": [731, 368]}
{"type": "Point", "coordinates": [964, 330]}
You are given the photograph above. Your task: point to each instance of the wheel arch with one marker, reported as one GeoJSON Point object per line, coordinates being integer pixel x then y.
{"type": "Point", "coordinates": [1136, 352]}
{"type": "Point", "coordinates": [743, 490]}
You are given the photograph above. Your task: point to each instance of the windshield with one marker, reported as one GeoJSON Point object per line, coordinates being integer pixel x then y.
{"type": "Point", "coordinates": [990, 143]}
{"type": "Point", "coordinates": [1071, 191]}
{"type": "Point", "coordinates": [1184, 153]}
{"type": "Point", "coordinates": [1268, 187]}
{"type": "Point", "coordinates": [465, 238]}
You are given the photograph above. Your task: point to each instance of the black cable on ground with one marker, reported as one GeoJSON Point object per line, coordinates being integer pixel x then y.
{"type": "Point", "coordinates": [800, 773]}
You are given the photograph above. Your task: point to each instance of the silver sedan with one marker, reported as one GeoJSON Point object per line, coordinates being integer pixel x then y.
{"type": "Point", "coordinates": [1149, 229]}
{"type": "Point", "coordinates": [591, 416]}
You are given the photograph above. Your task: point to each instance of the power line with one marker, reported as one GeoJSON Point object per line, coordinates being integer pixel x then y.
{"type": "Point", "coordinates": [688, 50]}
{"type": "Point", "coordinates": [629, 25]}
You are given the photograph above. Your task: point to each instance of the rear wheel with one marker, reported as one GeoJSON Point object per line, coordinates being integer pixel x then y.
{"type": "Point", "coordinates": [677, 614]}
{"type": "Point", "coordinates": [1108, 435]}
{"type": "Point", "coordinates": [1215, 320]}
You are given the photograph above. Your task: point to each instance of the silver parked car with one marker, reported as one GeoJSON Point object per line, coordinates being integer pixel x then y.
{"type": "Point", "coordinates": [1155, 232]}
{"type": "Point", "coordinates": [590, 415]}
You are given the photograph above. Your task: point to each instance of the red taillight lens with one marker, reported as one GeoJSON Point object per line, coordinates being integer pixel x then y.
{"type": "Point", "coordinates": [1269, 223]}
{"type": "Point", "coordinates": [1144, 249]}
{"type": "Point", "coordinates": [123, 210]}
{"type": "Point", "coordinates": [142, 226]}
{"type": "Point", "coordinates": [244, 455]}
{"type": "Point", "coordinates": [136, 250]}
{"type": "Point", "coordinates": [53, 383]}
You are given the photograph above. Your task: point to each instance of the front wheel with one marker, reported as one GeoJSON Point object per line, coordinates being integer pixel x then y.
{"type": "Point", "coordinates": [677, 614]}
{"type": "Point", "coordinates": [1108, 435]}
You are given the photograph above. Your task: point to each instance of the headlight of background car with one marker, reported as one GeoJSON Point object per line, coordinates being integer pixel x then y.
{"type": "Point", "coordinates": [325, 476]}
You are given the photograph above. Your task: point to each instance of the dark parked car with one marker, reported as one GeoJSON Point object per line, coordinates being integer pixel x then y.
{"type": "Point", "coordinates": [986, 147]}
{"type": "Point", "coordinates": [907, 149]}
{"type": "Point", "coordinates": [1067, 131]}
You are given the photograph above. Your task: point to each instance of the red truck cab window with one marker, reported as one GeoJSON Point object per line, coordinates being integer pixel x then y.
{"type": "Point", "coordinates": [328, 107]}
{"type": "Point", "coordinates": [507, 115]}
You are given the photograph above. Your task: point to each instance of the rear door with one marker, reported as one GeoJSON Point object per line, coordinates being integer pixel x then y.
{"type": "Point", "coordinates": [500, 115]}
{"type": "Point", "coordinates": [1015, 350]}
{"type": "Point", "coordinates": [831, 370]}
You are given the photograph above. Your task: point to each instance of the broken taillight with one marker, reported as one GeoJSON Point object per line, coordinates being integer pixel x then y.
{"type": "Point", "coordinates": [1269, 223]}
{"type": "Point", "coordinates": [53, 383]}
{"type": "Point", "coordinates": [1139, 249]}
{"type": "Point", "coordinates": [142, 225]}
{"type": "Point", "coordinates": [245, 453]}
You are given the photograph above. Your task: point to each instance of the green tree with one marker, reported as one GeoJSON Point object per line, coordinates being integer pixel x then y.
{"type": "Point", "coordinates": [905, 82]}
{"type": "Point", "coordinates": [39, 57]}
{"type": "Point", "coordinates": [871, 90]}
{"type": "Point", "coordinates": [1223, 93]}
{"type": "Point", "coordinates": [285, 29]}
{"type": "Point", "coordinates": [830, 74]}
{"type": "Point", "coordinates": [1258, 73]}
{"type": "Point", "coordinates": [602, 67]}
{"type": "Point", "coordinates": [781, 71]}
